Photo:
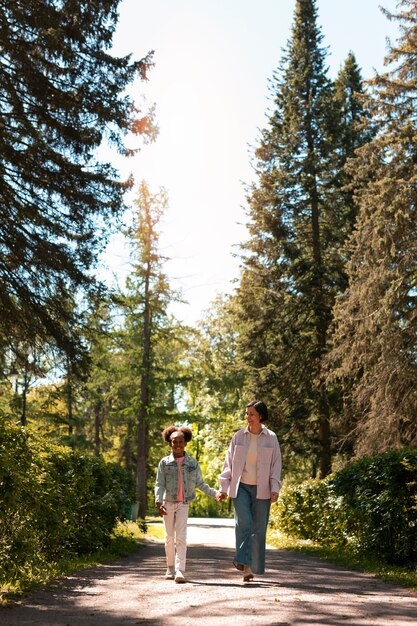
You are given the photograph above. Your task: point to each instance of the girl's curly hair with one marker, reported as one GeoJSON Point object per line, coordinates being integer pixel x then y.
{"type": "Point", "coordinates": [167, 432]}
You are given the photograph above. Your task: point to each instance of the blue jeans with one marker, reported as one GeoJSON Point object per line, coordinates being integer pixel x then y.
{"type": "Point", "coordinates": [251, 521]}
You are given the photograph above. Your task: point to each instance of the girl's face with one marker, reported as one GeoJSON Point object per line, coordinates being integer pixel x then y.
{"type": "Point", "coordinates": [177, 443]}
{"type": "Point", "coordinates": [253, 418]}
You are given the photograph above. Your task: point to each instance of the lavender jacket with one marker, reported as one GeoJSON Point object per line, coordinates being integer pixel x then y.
{"type": "Point", "coordinates": [268, 467]}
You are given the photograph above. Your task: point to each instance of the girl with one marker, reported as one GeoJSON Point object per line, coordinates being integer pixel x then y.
{"type": "Point", "coordinates": [177, 478]}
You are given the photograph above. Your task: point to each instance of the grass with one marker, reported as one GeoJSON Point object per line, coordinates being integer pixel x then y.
{"type": "Point", "coordinates": [125, 541]}
{"type": "Point", "coordinates": [405, 576]}
{"type": "Point", "coordinates": [156, 531]}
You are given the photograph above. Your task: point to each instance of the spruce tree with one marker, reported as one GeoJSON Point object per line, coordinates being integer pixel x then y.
{"type": "Point", "coordinates": [147, 328]}
{"type": "Point", "coordinates": [351, 132]}
{"type": "Point", "coordinates": [374, 352]}
{"type": "Point", "coordinates": [62, 94]}
{"type": "Point", "coordinates": [293, 264]}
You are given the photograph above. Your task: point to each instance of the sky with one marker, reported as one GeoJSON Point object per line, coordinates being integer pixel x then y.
{"type": "Point", "coordinates": [213, 63]}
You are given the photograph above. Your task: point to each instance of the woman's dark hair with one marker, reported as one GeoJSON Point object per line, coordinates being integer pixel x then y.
{"type": "Point", "coordinates": [260, 407]}
{"type": "Point", "coordinates": [167, 432]}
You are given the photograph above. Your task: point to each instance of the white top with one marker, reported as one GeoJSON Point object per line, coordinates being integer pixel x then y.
{"type": "Point", "coordinates": [249, 470]}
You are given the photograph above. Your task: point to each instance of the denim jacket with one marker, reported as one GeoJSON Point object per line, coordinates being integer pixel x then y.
{"type": "Point", "coordinates": [166, 486]}
{"type": "Point", "coordinates": [268, 464]}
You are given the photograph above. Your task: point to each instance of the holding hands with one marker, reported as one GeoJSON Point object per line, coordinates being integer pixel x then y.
{"type": "Point", "coordinates": [221, 495]}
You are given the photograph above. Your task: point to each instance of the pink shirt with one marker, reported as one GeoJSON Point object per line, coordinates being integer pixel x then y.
{"type": "Point", "coordinates": [180, 461]}
{"type": "Point", "coordinates": [268, 465]}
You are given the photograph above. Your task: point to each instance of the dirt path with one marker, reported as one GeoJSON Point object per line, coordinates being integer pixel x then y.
{"type": "Point", "coordinates": [296, 590]}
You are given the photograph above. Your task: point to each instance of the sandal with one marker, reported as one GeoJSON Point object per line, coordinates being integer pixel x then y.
{"type": "Point", "coordinates": [248, 574]}
{"type": "Point", "coordinates": [238, 566]}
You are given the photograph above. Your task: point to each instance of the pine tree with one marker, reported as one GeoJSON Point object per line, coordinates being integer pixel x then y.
{"type": "Point", "coordinates": [293, 264]}
{"type": "Point", "coordinates": [62, 94]}
{"type": "Point", "coordinates": [374, 353]}
{"type": "Point", "coordinates": [351, 132]}
{"type": "Point", "coordinates": [147, 325]}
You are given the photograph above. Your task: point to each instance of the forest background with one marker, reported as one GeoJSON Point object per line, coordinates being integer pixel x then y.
{"type": "Point", "coordinates": [321, 321]}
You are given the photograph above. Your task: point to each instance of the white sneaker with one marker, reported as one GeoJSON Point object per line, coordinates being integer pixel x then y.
{"type": "Point", "coordinates": [179, 578]}
{"type": "Point", "coordinates": [169, 574]}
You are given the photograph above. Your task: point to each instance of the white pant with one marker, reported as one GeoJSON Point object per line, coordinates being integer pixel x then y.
{"type": "Point", "coordinates": [175, 522]}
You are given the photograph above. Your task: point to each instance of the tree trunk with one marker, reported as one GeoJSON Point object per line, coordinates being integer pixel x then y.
{"type": "Point", "coordinates": [319, 307]}
{"type": "Point", "coordinates": [127, 451]}
{"type": "Point", "coordinates": [141, 466]}
{"type": "Point", "coordinates": [142, 426]}
{"type": "Point", "coordinates": [23, 417]}
{"type": "Point", "coordinates": [324, 436]}
{"type": "Point", "coordinates": [70, 400]}
{"type": "Point", "coordinates": [97, 426]}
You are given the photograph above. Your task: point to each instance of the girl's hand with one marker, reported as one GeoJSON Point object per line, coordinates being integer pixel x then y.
{"type": "Point", "coordinates": [221, 495]}
{"type": "Point", "coordinates": [274, 497]}
{"type": "Point", "coordinates": [161, 509]}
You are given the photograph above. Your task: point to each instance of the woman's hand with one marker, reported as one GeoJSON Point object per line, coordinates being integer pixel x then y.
{"type": "Point", "coordinates": [161, 509]}
{"type": "Point", "coordinates": [274, 496]}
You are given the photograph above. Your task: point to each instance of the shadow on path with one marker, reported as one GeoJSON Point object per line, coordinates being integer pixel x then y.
{"type": "Point", "coordinates": [297, 590]}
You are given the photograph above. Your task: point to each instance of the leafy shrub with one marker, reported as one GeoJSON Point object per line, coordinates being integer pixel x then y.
{"type": "Point", "coordinates": [370, 505]}
{"type": "Point", "coordinates": [204, 506]}
{"type": "Point", "coordinates": [380, 497]}
{"type": "Point", "coordinates": [54, 502]}
{"type": "Point", "coordinates": [311, 511]}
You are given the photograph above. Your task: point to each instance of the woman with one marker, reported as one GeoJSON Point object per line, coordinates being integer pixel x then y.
{"type": "Point", "coordinates": [251, 477]}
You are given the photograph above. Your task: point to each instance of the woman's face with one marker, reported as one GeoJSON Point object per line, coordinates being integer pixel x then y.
{"type": "Point", "coordinates": [253, 418]}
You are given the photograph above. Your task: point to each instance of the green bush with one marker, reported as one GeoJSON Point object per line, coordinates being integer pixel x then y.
{"type": "Point", "coordinates": [380, 497]}
{"type": "Point", "coordinates": [204, 506]}
{"type": "Point", "coordinates": [54, 502]}
{"type": "Point", "coordinates": [370, 506]}
{"type": "Point", "coordinates": [311, 511]}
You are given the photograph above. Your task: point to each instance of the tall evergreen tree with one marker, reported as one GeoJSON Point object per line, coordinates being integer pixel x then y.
{"type": "Point", "coordinates": [62, 93]}
{"type": "Point", "coordinates": [375, 346]}
{"type": "Point", "coordinates": [147, 325]}
{"type": "Point", "coordinates": [293, 265]}
{"type": "Point", "coordinates": [351, 132]}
